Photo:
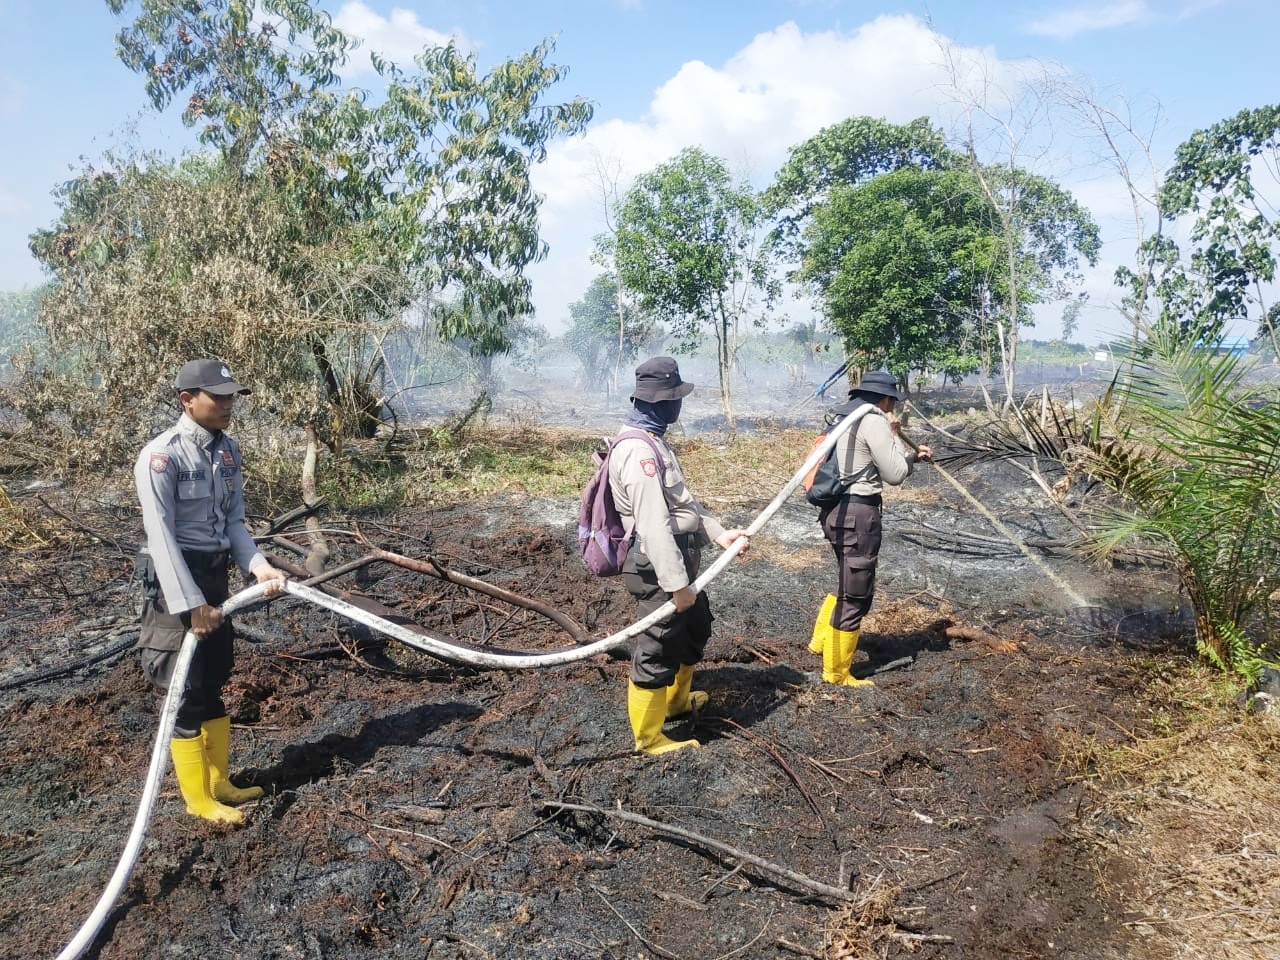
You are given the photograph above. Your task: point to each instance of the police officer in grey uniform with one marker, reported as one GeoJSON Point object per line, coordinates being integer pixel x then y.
{"type": "Point", "coordinates": [669, 524]}
{"type": "Point", "coordinates": [191, 490]}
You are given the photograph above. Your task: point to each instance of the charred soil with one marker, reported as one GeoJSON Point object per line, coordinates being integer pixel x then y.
{"type": "Point", "coordinates": [411, 806]}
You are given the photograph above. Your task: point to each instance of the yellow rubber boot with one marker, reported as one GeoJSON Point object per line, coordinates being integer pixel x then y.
{"type": "Point", "coordinates": [839, 657]}
{"type": "Point", "coordinates": [217, 749]}
{"type": "Point", "coordinates": [192, 770]}
{"type": "Point", "coordinates": [822, 626]}
{"type": "Point", "coordinates": [647, 710]}
{"type": "Point", "coordinates": [682, 699]}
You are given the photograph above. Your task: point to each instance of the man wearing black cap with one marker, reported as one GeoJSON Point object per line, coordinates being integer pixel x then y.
{"type": "Point", "coordinates": [869, 456]}
{"type": "Point", "coordinates": [192, 496]}
{"type": "Point", "coordinates": [668, 523]}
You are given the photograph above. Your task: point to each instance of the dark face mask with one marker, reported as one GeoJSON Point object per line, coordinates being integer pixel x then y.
{"type": "Point", "coordinates": [653, 415]}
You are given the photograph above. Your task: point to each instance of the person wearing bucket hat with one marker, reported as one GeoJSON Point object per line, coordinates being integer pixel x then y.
{"type": "Point", "coordinates": [668, 523]}
{"type": "Point", "coordinates": [191, 491]}
{"type": "Point", "coordinates": [870, 455]}
{"type": "Point", "coordinates": [658, 379]}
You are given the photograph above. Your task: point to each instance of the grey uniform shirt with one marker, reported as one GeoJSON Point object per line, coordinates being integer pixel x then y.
{"type": "Point", "coordinates": [877, 450]}
{"type": "Point", "coordinates": [657, 507]}
{"type": "Point", "coordinates": [192, 495]}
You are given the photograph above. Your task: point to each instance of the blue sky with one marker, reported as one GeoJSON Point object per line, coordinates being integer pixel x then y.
{"type": "Point", "coordinates": [745, 79]}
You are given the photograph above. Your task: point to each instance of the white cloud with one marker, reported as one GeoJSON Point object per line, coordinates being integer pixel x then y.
{"type": "Point", "coordinates": [786, 85]}
{"type": "Point", "coordinates": [399, 37]}
{"type": "Point", "coordinates": [1069, 23]}
{"type": "Point", "coordinates": [781, 89]}
{"type": "Point", "coordinates": [775, 93]}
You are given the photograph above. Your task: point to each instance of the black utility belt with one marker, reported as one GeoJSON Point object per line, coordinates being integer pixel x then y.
{"type": "Point", "coordinates": [874, 500]}
{"type": "Point", "coordinates": [203, 560]}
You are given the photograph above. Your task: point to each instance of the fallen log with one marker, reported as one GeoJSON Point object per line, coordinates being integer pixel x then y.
{"type": "Point", "coordinates": [953, 631]}
{"type": "Point", "coordinates": [791, 876]}
{"type": "Point", "coordinates": [567, 623]}
{"type": "Point", "coordinates": [432, 568]}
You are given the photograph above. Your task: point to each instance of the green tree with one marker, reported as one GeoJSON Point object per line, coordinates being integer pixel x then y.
{"type": "Point", "coordinates": [1225, 179]}
{"type": "Point", "coordinates": [687, 244]}
{"type": "Point", "coordinates": [594, 335]}
{"type": "Point", "coordinates": [901, 265]}
{"type": "Point", "coordinates": [1070, 320]}
{"type": "Point", "coordinates": [439, 168]}
{"type": "Point", "coordinates": [422, 197]}
{"type": "Point", "coordinates": [845, 154]}
{"type": "Point", "coordinates": [1039, 230]}
{"type": "Point", "coordinates": [247, 69]}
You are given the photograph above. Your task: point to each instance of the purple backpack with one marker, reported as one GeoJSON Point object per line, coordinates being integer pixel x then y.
{"type": "Point", "coordinates": [602, 538]}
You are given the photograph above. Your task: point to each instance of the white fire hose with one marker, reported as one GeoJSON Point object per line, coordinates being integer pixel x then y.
{"type": "Point", "coordinates": [430, 645]}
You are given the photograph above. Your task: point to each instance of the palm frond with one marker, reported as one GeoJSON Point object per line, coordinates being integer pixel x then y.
{"type": "Point", "coordinates": [1195, 454]}
{"type": "Point", "coordinates": [1191, 454]}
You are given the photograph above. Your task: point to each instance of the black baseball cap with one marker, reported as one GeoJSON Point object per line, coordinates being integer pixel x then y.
{"type": "Point", "coordinates": [211, 376]}
{"type": "Point", "coordinates": [659, 379]}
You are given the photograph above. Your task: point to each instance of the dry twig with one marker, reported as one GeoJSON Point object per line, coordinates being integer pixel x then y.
{"type": "Point", "coordinates": [799, 879]}
{"type": "Point", "coordinates": [634, 932]}
{"type": "Point", "coordinates": [776, 754]}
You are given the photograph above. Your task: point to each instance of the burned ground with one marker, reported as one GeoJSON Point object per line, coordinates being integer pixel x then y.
{"type": "Point", "coordinates": [410, 805]}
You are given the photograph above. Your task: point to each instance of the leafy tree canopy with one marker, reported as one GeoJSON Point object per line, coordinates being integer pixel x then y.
{"type": "Point", "coordinates": [846, 154]}
{"type": "Point", "coordinates": [441, 162]}
{"type": "Point", "coordinates": [916, 253]}
{"type": "Point", "coordinates": [1225, 178]}
{"type": "Point", "coordinates": [357, 209]}
{"type": "Point", "coordinates": [686, 244]}
{"type": "Point", "coordinates": [909, 265]}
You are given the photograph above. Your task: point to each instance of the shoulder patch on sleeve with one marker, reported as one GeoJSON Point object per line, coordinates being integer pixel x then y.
{"type": "Point", "coordinates": [159, 462]}
{"type": "Point", "coordinates": [650, 467]}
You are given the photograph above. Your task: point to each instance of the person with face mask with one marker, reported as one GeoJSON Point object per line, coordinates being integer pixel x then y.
{"type": "Point", "coordinates": [669, 526]}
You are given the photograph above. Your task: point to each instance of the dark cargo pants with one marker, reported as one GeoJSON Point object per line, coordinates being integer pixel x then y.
{"type": "Point", "coordinates": [679, 639]}
{"type": "Point", "coordinates": [852, 527]}
{"type": "Point", "coordinates": [160, 638]}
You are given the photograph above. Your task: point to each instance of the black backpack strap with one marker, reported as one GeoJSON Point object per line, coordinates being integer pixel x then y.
{"type": "Point", "coordinates": [834, 416]}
